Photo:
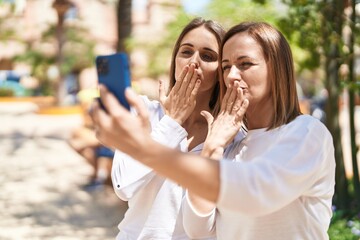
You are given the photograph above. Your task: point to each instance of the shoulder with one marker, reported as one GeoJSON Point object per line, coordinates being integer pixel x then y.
{"type": "Point", "coordinates": [307, 127]}
{"type": "Point", "coordinates": [308, 122]}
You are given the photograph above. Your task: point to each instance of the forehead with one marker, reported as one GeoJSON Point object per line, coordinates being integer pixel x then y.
{"type": "Point", "coordinates": [241, 44]}
{"type": "Point", "coordinates": [202, 38]}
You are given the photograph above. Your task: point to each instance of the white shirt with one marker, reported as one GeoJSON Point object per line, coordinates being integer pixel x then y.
{"type": "Point", "coordinates": [154, 202]}
{"type": "Point", "coordinates": [279, 186]}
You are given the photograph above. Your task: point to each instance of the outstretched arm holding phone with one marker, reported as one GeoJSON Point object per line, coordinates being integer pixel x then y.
{"type": "Point", "coordinates": [199, 175]}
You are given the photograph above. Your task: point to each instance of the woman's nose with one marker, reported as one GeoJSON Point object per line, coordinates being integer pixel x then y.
{"type": "Point", "coordinates": [234, 75]}
{"type": "Point", "coordinates": [195, 59]}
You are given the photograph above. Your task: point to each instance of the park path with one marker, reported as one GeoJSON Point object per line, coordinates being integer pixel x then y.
{"type": "Point", "coordinates": [41, 178]}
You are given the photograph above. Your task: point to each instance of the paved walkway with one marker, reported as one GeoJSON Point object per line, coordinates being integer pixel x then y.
{"type": "Point", "coordinates": [40, 179]}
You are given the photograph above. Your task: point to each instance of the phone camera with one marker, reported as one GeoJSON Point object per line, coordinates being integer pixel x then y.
{"type": "Point", "coordinates": [102, 66]}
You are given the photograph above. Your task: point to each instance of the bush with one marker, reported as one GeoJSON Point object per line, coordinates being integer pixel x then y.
{"type": "Point", "coordinates": [343, 229]}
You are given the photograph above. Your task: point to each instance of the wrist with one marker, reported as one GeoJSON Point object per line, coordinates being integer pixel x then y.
{"type": "Point", "coordinates": [213, 151]}
{"type": "Point", "coordinates": [216, 154]}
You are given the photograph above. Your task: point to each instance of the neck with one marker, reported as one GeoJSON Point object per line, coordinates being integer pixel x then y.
{"type": "Point", "coordinates": [202, 104]}
{"type": "Point", "coordinates": [259, 116]}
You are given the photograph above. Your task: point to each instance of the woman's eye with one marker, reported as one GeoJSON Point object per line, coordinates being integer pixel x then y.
{"type": "Point", "coordinates": [186, 52]}
{"type": "Point", "coordinates": [208, 58]}
{"type": "Point", "coordinates": [226, 67]}
{"type": "Point", "coordinates": [246, 64]}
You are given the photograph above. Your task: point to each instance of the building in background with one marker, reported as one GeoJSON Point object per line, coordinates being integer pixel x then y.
{"type": "Point", "coordinates": [30, 20]}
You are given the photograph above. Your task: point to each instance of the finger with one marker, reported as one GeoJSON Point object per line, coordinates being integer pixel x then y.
{"type": "Point", "coordinates": [195, 91]}
{"type": "Point", "coordinates": [95, 108]}
{"type": "Point", "coordinates": [187, 78]}
{"type": "Point", "coordinates": [225, 99]}
{"type": "Point", "coordinates": [180, 78]}
{"type": "Point", "coordinates": [231, 99]}
{"type": "Point", "coordinates": [238, 100]}
{"type": "Point", "coordinates": [162, 94]}
{"type": "Point", "coordinates": [209, 118]}
{"type": "Point", "coordinates": [241, 112]}
{"type": "Point", "coordinates": [110, 102]}
{"type": "Point", "coordinates": [192, 84]}
{"type": "Point", "coordinates": [101, 121]}
{"type": "Point", "coordinates": [135, 101]}
{"type": "Point", "coordinates": [91, 107]}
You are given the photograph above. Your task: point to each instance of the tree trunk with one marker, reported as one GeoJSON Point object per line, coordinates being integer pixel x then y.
{"type": "Point", "coordinates": [61, 6]}
{"type": "Point", "coordinates": [124, 23]}
{"type": "Point", "coordinates": [332, 29]}
{"type": "Point", "coordinates": [352, 80]}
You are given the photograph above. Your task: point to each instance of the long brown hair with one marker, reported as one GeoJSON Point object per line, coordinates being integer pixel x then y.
{"type": "Point", "coordinates": [217, 30]}
{"type": "Point", "coordinates": [279, 61]}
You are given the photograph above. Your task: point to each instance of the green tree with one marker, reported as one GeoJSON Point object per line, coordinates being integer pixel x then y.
{"type": "Point", "coordinates": [218, 10]}
{"type": "Point", "coordinates": [75, 51]}
{"type": "Point", "coordinates": [161, 51]}
{"type": "Point", "coordinates": [231, 12]}
{"type": "Point", "coordinates": [77, 54]}
{"type": "Point", "coordinates": [353, 88]}
{"type": "Point", "coordinates": [317, 26]}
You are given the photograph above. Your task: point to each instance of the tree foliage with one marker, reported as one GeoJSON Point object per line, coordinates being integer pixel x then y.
{"type": "Point", "coordinates": [227, 12]}
{"type": "Point", "coordinates": [302, 27]}
{"type": "Point", "coordinates": [77, 51]}
{"type": "Point", "coordinates": [231, 12]}
{"type": "Point", "coordinates": [322, 29]}
{"type": "Point", "coordinates": [161, 50]}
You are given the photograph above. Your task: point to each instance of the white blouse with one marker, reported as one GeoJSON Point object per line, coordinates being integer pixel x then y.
{"type": "Point", "coordinates": [154, 202]}
{"type": "Point", "coordinates": [275, 185]}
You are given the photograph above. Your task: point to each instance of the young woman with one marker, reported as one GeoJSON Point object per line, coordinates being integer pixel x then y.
{"type": "Point", "coordinates": [154, 202]}
{"type": "Point", "coordinates": [279, 181]}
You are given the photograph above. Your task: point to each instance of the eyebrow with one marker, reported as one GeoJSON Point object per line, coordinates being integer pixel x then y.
{"type": "Point", "coordinates": [191, 45]}
{"type": "Point", "coordinates": [239, 58]}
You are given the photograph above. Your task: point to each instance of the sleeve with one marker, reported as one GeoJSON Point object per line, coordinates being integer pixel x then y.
{"type": "Point", "coordinates": [197, 225]}
{"type": "Point", "coordinates": [280, 174]}
{"type": "Point", "coordinates": [168, 132]}
{"type": "Point", "coordinates": [128, 175]}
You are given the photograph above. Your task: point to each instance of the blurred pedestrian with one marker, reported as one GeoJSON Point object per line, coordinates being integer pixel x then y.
{"type": "Point", "coordinates": [85, 143]}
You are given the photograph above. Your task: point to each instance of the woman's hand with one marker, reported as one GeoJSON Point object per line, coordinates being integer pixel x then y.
{"type": "Point", "coordinates": [118, 128]}
{"type": "Point", "coordinates": [227, 124]}
{"type": "Point", "coordinates": [181, 101]}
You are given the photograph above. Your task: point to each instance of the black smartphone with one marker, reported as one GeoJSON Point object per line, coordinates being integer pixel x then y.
{"type": "Point", "coordinates": [114, 72]}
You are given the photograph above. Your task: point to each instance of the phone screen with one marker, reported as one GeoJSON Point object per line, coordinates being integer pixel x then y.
{"type": "Point", "coordinates": [114, 72]}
